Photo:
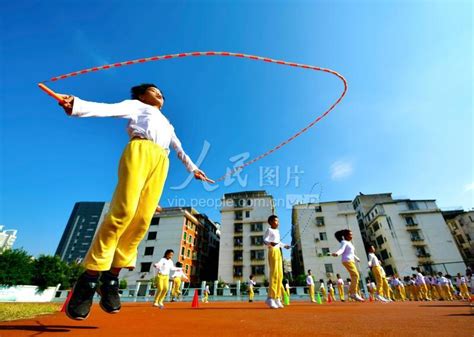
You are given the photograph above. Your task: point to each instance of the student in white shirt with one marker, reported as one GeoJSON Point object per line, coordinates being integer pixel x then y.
{"type": "Point", "coordinates": [397, 284]}
{"type": "Point", "coordinates": [322, 291]}
{"type": "Point", "coordinates": [461, 283]}
{"type": "Point", "coordinates": [142, 173]}
{"type": "Point", "coordinates": [252, 284]}
{"type": "Point", "coordinates": [379, 274]}
{"type": "Point", "coordinates": [347, 251]}
{"type": "Point", "coordinates": [271, 239]}
{"type": "Point", "coordinates": [310, 284]}
{"type": "Point", "coordinates": [163, 269]}
{"type": "Point", "coordinates": [340, 287]}
{"type": "Point", "coordinates": [331, 296]}
{"type": "Point", "coordinates": [177, 277]}
{"type": "Point", "coordinates": [205, 298]}
{"type": "Point", "coordinates": [421, 288]}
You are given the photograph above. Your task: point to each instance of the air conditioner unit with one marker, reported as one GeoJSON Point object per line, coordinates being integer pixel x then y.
{"type": "Point", "coordinates": [316, 239]}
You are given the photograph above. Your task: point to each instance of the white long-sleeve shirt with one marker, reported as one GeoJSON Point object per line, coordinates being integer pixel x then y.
{"type": "Point", "coordinates": [179, 273]}
{"type": "Point", "coordinates": [272, 235]}
{"type": "Point", "coordinates": [420, 279]}
{"type": "Point", "coordinates": [144, 121]}
{"type": "Point", "coordinates": [460, 280]}
{"type": "Point", "coordinates": [373, 260]}
{"type": "Point", "coordinates": [252, 283]}
{"type": "Point", "coordinates": [165, 266]}
{"type": "Point", "coordinates": [309, 280]}
{"type": "Point", "coordinates": [340, 282]}
{"type": "Point", "coordinates": [348, 252]}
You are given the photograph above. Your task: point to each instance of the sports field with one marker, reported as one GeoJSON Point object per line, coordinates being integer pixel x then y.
{"type": "Point", "coordinates": [254, 319]}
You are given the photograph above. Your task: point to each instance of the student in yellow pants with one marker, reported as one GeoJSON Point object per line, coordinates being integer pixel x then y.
{"type": "Point", "coordinates": [310, 284]}
{"type": "Point", "coordinates": [177, 277]}
{"type": "Point", "coordinates": [205, 298]}
{"type": "Point", "coordinates": [163, 269]}
{"type": "Point", "coordinates": [340, 287]}
{"type": "Point", "coordinates": [271, 238]}
{"type": "Point", "coordinates": [141, 176]}
{"type": "Point", "coordinates": [331, 295]}
{"type": "Point", "coordinates": [461, 282]}
{"type": "Point", "coordinates": [252, 284]}
{"type": "Point", "coordinates": [322, 290]}
{"type": "Point", "coordinates": [347, 251]}
{"type": "Point", "coordinates": [379, 274]}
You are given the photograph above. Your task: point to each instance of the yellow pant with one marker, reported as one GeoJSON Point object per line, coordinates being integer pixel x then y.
{"type": "Point", "coordinates": [251, 293]}
{"type": "Point", "coordinates": [311, 292]}
{"type": "Point", "coordinates": [400, 293]}
{"type": "Point", "coordinates": [381, 281]}
{"type": "Point", "coordinates": [205, 298]}
{"type": "Point", "coordinates": [354, 273]}
{"type": "Point", "coordinates": [446, 292]}
{"type": "Point", "coordinates": [422, 292]}
{"type": "Point", "coordinates": [176, 290]}
{"type": "Point", "coordinates": [331, 294]}
{"type": "Point", "coordinates": [162, 285]}
{"type": "Point", "coordinates": [340, 290]}
{"type": "Point", "coordinates": [464, 292]}
{"type": "Point", "coordinates": [142, 173]}
{"type": "Point", "coordinates": [276, 273]}
{"type": "Point", "coordinates": [324, 294]}
{"type": "Point", "coordinates": [435, 295]}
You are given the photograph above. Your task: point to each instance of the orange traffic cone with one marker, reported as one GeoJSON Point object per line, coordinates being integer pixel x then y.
{"type": "Point", "coordinates": [195, 303]}
{"type": "Point", "coordinates": [68, 298]}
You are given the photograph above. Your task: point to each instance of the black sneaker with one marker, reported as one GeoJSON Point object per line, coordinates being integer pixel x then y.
{"type": "Point", "coordinates": [79, 306]}
{"type": "Point", "coordinates": [109, 293]}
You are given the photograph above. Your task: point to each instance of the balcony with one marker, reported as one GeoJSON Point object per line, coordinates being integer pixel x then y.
{"type": "Point", "coordinates": [417, 238]}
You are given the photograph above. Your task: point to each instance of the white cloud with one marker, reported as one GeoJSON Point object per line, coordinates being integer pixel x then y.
{"type": "Point", "coordinates": [469, 187]}
{"type": "Point", "coordinates": [341, 169]}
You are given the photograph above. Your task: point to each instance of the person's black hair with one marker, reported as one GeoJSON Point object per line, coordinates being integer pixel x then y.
{"type": "Point", "coordinates": [341, 235]}
{"type": "Point", "coordinates": [167, 252]}
{"type": "Point", "coordinates": [309, 271]}
{"type": "Point", "coordinates": [321, 280]}
{"type": "Point", "coordinates": [179, 264]}
{"type": "Point", "coordinates": [271, 218]}
{"type": "Point", "coordinates": [139, 90]}
{"type": "Point", "coordinates": [251, 275]}
{"type": "Point", "coordinates": [338, 276]}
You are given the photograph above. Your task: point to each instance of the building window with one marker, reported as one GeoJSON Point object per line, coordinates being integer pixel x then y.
{"type": "Point", "coordinates": [328, 267]}
{"type": "Point", "coordinates": [151, 236]}
{"type": "Point", "coordinates": [409, 220]}
{"type": "Point", "coordinates": [238, 228]}
{"type": "Point", "coordinates": [325, 251]}
{"type": "Point", "coordinates": [256, 227]}
{"type": "Point", "coordinates": [323, 236]}
{"type": "Point", "coordinates": [319, 221]}
{"type": "Point", "coordinates": [149, 250]}
{"type": "Point", "coordinates": [258, 270]}
{"type": "Point", "coordinates": [460, 239]}
{"type": "Point", "coordinates": [238, 255]}
{"type": "Point", "coordinates": [184, 236]}
{"type": "Point", "coordinates": [155, 221]}
{"type": "Point", "coordinates": [187, 269]}
{"type": "Point", "coordinates": [376, 226]}
{"type": "Point", "coordinates": [145, 267]}
{"type": "Point", "coordinates": [238, 215]}
{"type": "Point", "coordinates": [258, 255]}
{"type": "Point", "coordinates": [238, 241]}
{"type": "Point", "coordinates": [238, 271]}
{"type": "Point", "coordinates": [247, 214]}
{"type": "Point", "coordinates": [256, 240]}
{"type": "Point", "coordinates": [468, 238]}
{"type": "Point", "coordinates": [182, 251]}
{"type": "Point", "coordinates": [384, 254]}
{"type": "Point", "coordinates": [249, 202]}
{"type": "Point", "coordinates": [318, 209]}
{"type": "Point", "coordinates": [188, 253]}
{"type": "Point", "coordinates": [380, 240]}
{"type": "Point", "coordinates": [412, 205]}
{"type": "Point", "coordinates": [190, 239]}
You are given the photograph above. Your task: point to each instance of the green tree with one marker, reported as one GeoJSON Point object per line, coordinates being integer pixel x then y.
{"type": "Point", "coordinates": [300, 280]}
{"type": "Point", "coordinates": [49, 271]}
{"type": "Point", "coordinates": [16, 267]}
{"type": "Point", "coordinates": [123, 284]}
{"type": "Point", "coordinates": [75, 270]}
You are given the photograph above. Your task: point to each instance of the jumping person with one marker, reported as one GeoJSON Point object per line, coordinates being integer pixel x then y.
{"type": "Point", "coordinates": [141, 176]}
{"type": "Point", "coordinates": [347, 251]}
{"type": "Point", "coordinates": [380, 278]}
{"type": "Point", "coordinates": [163, 269]}
{"type": "Point", "coordinates": [177, 278]}
{"type": "Point", "coordinates": [271, 239]}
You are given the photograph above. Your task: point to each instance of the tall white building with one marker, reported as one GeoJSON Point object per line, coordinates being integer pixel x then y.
{"type": "Point", "coordinates": [407, 233]}
{"type": "Point", "coordinates": [313, 229]}
{"type": "Point", "coordinates": [244, 221]}
{"type": "Point", "coordinates": [7, 238]}
{"type": "Point", "coordinates": [461, 225]}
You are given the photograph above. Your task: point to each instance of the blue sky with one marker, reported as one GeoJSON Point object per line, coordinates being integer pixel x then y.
{"type": "Point", "coordinates": [405, 126]}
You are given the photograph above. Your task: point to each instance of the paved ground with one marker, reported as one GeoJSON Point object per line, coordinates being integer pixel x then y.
{"type": "Point", "coordinates": [254, 319]}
